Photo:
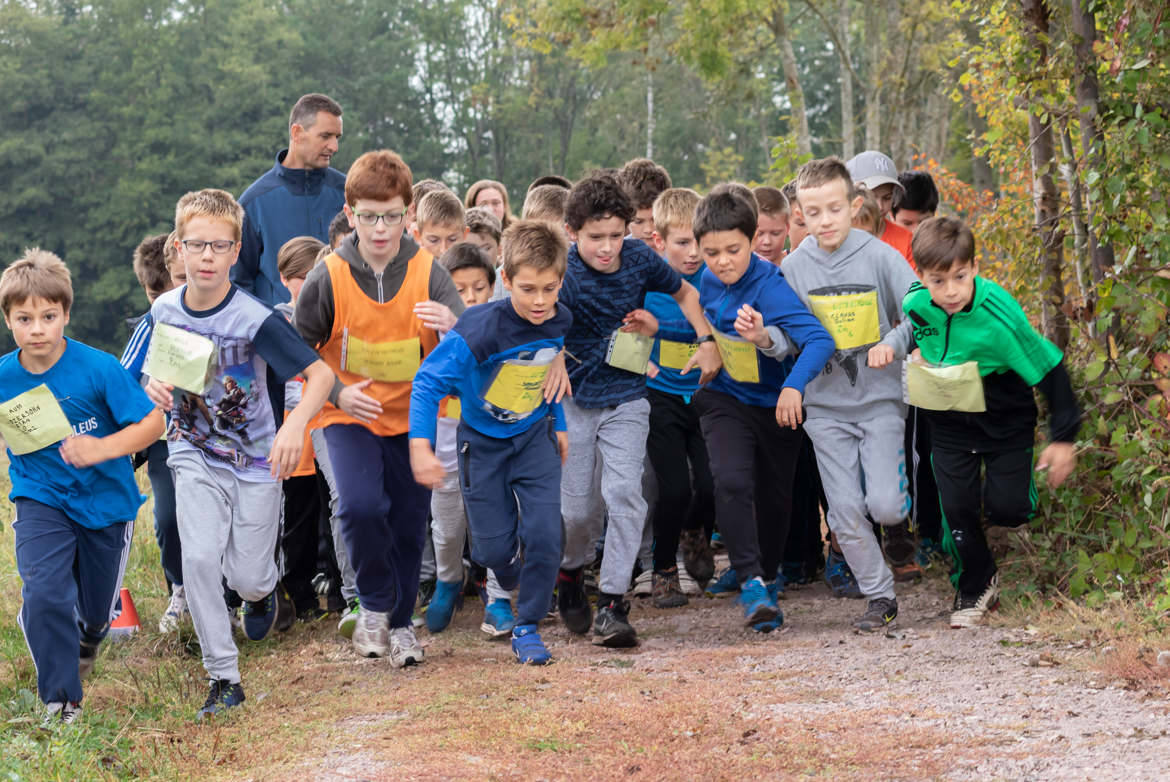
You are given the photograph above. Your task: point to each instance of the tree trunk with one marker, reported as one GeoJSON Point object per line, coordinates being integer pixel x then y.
{"type": "Point", "coordinates": [875, 17]}
{"type": "Point", "coordinates": [847, 129]}
{"type": "Point", "coordinates": [650, 114]}
{"type": "Point", "coordinates": [1045, 197]}
{"type": "Point", "coordinates": [1092, 136]}
{"type": "Point", "coordinates": [791, 78]}
{"type": "Point", "coordinates": [1068, 172]}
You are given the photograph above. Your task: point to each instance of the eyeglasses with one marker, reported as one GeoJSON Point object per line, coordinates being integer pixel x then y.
{"type": "Point", "coordinates": [219, 246]}
{"type": "Point", "coordinates": [370, 218]}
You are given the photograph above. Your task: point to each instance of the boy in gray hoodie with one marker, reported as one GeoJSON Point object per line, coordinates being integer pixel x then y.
{"type": "Point", "coordinates": [854, 284]}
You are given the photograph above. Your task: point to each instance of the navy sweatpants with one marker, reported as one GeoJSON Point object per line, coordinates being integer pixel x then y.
{"type": "Point", "coordinates": [383, 517]}
{"type": "Point", "coordinates": [512, 491]}
{"type": "Point", "coordinates": [166, 520]}
{"type": "Point", "coordinates": [71, 577]}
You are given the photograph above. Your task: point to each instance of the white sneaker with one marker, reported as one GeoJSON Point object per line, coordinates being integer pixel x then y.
{"type": "Point", "coordinates": [970, 611]}
{"type": "Point", "coordinates": [643, 584]}
{"type": "Point", "coordinates": [404, 647]}
{"type": "Point", "coordinates": [689, 585]}
{"type": "Point", "coordinates": [176, 612]}
{"type": "Point", "coordinates": [371, 635]}
{"type": "Point", "coordinates": [61, 712]}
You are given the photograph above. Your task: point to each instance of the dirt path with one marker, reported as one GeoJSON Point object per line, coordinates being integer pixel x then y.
{"type": "Point", "coordinates": [702, 698]}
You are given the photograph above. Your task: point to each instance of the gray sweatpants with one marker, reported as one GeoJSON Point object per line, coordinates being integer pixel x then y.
{"type": "Point", "coordinates": [228, 529]}
{"type": "Point", "coordinates": [321, 451]}
{"type": "Point", "coordinates": [863, 469]}
{"type": "Point", "coordinates": [615, 437]}
{"type": "Point", "coordinates": [449, 532]}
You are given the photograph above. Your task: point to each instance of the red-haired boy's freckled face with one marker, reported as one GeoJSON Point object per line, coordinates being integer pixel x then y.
{"type": "Point", "coordinates": [491, 198]}
{"type": "Point", "coordinates": [38, 328]}
{"type": "Point", "coordinates": [378, 243]}
{"type": "Point", "coordinates": [599, 243]}
{"type": "Point", "coordinates": [771, 231]}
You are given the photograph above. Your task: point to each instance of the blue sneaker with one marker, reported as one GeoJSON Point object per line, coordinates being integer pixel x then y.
{"type": "Point", "coordinates": [498, 619]}
{"type": "Point", "coordinates": [717, 543]}
{"type": "Point", "coordinates": [222, 696]}
{"type": "Point", "coordinates": [775, 588]}
{"type": "Point", "coordinates": [528, 647]}
{"type": "Point", "coordinates": [447, 596]}
{"type": "Point", "coordinates": [794, 572]}
{"type": "Point", "coordinates": [758, 605]}
{"type": "Point", "coordinates": [839, 577]}
{"type": "Point", "coordinates": [726, 585]}
{"type": "Point", "coordinates": [259, 617]}
{"type": "Point", "coordinates": [771, 625]}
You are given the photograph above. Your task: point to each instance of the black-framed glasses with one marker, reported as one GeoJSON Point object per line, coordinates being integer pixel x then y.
{"type": "Point", "coordinates": [372, 218]}
{"type": "Point", "coordinates": [218, 246]}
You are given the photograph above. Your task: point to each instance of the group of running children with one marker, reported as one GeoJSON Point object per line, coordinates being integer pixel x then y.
{"type": "Point", "coordinates": [515, 380]}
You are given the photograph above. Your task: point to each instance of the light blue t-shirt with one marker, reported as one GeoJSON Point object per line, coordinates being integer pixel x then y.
{"type": "Point", "coordinates": [99, 397]}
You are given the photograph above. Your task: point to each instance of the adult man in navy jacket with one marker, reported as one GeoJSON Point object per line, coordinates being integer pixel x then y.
{"type": "Point", "coordinates": [298, 196]}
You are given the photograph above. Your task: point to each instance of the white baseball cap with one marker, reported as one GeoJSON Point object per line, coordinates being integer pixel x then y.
{"type": "Point", "coordinates": [873, 169]}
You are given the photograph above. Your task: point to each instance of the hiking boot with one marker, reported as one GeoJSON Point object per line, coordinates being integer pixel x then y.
{"type": "Point", "coordinates": [879, 613]}
{"type": "Point", "coordinates": [725, 586]}
{"type": "Point", "coordinates": [911, 571]}
{"type": "Point", "coordinates": [176, 611]}
{"type": "Point", "coordinates": [667, 591]}
{"type": "Point", "coordinates": [260, 616]}
{"type": "Point", "coordinates": [86, 658]}
{"type": "Point", "coordinates": [498, 619]}
{"type": "Point", "coordinates": [758, 605]}
{"type": "Point", "coordinates": [898, 543]}
{"type": "Point", "coordinates": [222, 696]}
{"type": "Point", "coordinates": [644, 584]}
{"type": "Point", "coordinates": [572, 603]}
{"type": "Point", "coordinates": [446, 598]}
{"type": "Point", "coordinates": [371, 635]}
{"type": "Point", "coordinates": [970, 610]}
{"type": "Point", "coordinates": [348, 619]}
{"type": "Point", "coordinates": [839, 576]}
{"type": "Point", "coordinates": [528, 647]}
{"type": "Point", "coordinates": [61, 713]}
{"type": "Point", "coordinates": [698, 558]}
{"type": "Point", "coordinates": [404, 647]}
{"type": "Point", "coordinates": [612, 627]}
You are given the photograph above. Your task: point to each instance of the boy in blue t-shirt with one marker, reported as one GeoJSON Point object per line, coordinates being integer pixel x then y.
{"type": "Point", "coordinates": [76, 501]}
{"type": "Point", "coordinates": [227, 453]}
{"type": "Point", "coordinates": [511, 442]}
{"type": "Point", "coordinates": [606, 284]}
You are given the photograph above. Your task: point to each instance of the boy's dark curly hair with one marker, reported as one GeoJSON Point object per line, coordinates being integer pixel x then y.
{"type": "Point", "coordinates": [596, 197]}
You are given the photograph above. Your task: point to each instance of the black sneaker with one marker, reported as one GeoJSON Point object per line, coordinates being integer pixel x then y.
{"type": "Point", "coordinates": [880, 613]}
{"type": "Point", "coordinates": [572, 602]}
{"type": "Point", "coordinates": [223, 695]}
{"type": "Point", "coordinates": [286, 612]}
{"type": "Point", "coordinates": [260, 616]}
{"type": "Point", "coordinates": [612, 628]}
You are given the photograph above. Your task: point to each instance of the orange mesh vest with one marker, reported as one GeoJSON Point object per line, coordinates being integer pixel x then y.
{"type": "Point", "coordinates": [361, 321]}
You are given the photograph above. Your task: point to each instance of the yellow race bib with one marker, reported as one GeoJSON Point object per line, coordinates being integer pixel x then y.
{"type": "Point", "coordinates": [454, 408]}
{"type": "Point", "coordinates": [958, 387]}
{"type": "Point", "coordinates": [630, 351]}
{"type": "Point", "coordinates": [852, 318]}
{"type": "Point", "coordinates": [517, 387]}
{"type": "Point", "coordinates": [181, 358]}
{"type": "Point", "coordinates": [675, 355]}
{"type": "Point", "coordinates": [740, 359]}
{"type": "Point", "coordinates": [33, 420]}
{"type": "Point", "coordinates": [390, 362]}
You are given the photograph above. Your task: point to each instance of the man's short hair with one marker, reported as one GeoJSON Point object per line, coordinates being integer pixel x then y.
{"type": "Point", "coordinates": [298, 256]}
{"type": "Point", "coordinates": [741, 190]}
{"type": "Point", "coordinates": [339, 228]}
{"type": "Point", "coordinates": [941, 242]}
{"type": "Point", "coordinates": [468, 255]}
{"type": "Point", "coordinates": [597, 197]}
{"type": "Point", "coordinates": [545, 202]}
{"type": "Point", "coordinates": [724, 209]}
{"type": "Point", "coordinates": [918, 192]}
{"type": "Point", "coordinates": [150, 265]}
{"type": "Point", "coordinates": [378, 175]}
{"type": "Point", "coordinates": [674, 210]}
{"type": "Point", "coordinates": [772, 202]}
{"type": "Point", "coordinates": [642, 179]}
{"type": "Point", "coordinates": [210, 203]}
{"type": "Point", "coordinates": [550, 179]}
{"type": "Point", "coordinates": [304, 113]}
{"type": "Point", "coordinates": [816, 173]}
{"type": "Point", "coordinates": [439, 207]}
{"type": "Point", "coordinates": [38, 274]}
{"type": "Point", "coordinates": [536, 244]}
{"type": "Point", "coordinates": [481, 220]}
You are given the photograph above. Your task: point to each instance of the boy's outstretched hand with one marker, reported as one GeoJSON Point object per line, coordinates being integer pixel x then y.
{"type": "Point", "coordinates": [435, 315]}
{"type": "Point", "coordinates": [790, 408]}
{"type": "Point", "coordinates": [162, 394]}
{"type": "Point", "coordinates": [749, 324]}
{"type": "Point", "coordinates": [556, 382]}
{"type": "Point", "coordinates": [1059, 460]}
{"type": "Point", "coordinates": [880, 356]}
{"type": "Point", "coordinates": [640, 321]}
{"type": "Point", "coordinates": [355, 402]}
{"type": "Point", "coordinates": [428, 470]}
{"type": "Point", "coordinates": [563, 446]}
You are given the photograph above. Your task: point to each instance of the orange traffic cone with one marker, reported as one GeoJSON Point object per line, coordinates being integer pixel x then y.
{"type": "Point", "coordinates": [127, 622]}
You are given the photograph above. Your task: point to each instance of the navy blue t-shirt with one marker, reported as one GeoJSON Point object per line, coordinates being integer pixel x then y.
{"type": "Point", "coordinates": [598, 302]}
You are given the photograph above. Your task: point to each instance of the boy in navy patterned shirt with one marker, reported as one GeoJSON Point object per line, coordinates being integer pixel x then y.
{"type": "Point", "coordinates": [608, 416]}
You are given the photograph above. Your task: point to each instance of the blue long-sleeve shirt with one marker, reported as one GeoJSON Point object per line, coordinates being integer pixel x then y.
{"type": "Point", "coordinates": [485, 338]}
{"type": "Point", "coordinates": [763, 287]}
{"type": "Point", "coordinates": [672, 327]}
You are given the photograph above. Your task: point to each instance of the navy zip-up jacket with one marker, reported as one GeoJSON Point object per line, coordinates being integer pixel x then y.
{"type": "Point", "coordinates": [284, 203]}
{"type": "Point", "coordinates": [763, 287]}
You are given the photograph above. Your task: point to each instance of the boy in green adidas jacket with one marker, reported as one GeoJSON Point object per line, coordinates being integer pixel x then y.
{"type": "Point", "coordinates": [980, 403]}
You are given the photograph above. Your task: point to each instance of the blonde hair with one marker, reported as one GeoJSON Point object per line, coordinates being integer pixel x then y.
{"type": "Point", "coordinates": [674, 209]}
{"type": "Point", "coordinates": [869, 214]}
{"type": "Point", "coordinates": [298, 256]}
{"type": "Point", "coordinates": [545, 202]}
{"type": "Point", "coordinates": [212, 204]}
{"type": "Point", "coordinates": [38, 274]}
{"type": "Point", "coordinates": [170, 252]}
{"type": "Point", "coordinates": [481, 220]}
{"type": "Point", "coordinates": [535, 243]}
{"type": "Point", "coordinates": [439, 207]}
